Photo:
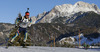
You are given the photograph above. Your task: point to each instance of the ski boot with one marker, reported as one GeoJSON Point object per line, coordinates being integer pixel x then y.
{"type": "Point", "coordinates": [24, 45]}
{"type": "Point", "coordinates": [9, 44]}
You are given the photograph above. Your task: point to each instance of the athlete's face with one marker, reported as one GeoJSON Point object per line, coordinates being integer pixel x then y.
{"type": "Point", "coordinates": [27, 16]}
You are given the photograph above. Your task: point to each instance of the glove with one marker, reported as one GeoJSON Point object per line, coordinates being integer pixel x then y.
{"type": "Point", "coordinates": [29, 25]}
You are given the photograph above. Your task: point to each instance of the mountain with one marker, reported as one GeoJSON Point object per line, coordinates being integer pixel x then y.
{"type": "Point", "coordinates": [5, 29]}
{"type": "Point", "coordinates": [92, 39]}
{"type": "Point", "coordinates": [90, 19]}
{"type": "Point", "coordinates": [42, 34]}
{"type": "Point", "coordinates": [45, 32]}
{"type": "Point", "coordinates": [65, 21]}
{"type": "Point", "coordinates": [66, 12]}
{"type": "Point", "coordinates": [33, 19]}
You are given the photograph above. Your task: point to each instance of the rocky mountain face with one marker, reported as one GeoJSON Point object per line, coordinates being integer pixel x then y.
{"type": "Point", "coordinates": [33, 19]}
{"type": "Point", "coordinates": [43, 33]}
{"type": "Point", "coordinates": [66, 12]}
{"type": "Point", "coordinates": [90, 19]}
{"type": "Point", "coordinates": [5, 29]}
{"type": "Point", "coordinates": [46, 32]}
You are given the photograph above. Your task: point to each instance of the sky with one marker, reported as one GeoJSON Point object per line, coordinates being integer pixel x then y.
{"type": "Point", "coordinates": [9, 9]}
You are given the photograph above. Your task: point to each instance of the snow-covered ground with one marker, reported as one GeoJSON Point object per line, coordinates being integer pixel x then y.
{"type": "Point", "coordinates": [43, 49]}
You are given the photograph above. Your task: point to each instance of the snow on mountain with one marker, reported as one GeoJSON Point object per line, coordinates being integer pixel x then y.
{"type": "Point", "coordinates": [97, 40]}
{"type": "Point", "coordinates": [67, 10]}
{"type": "Point", "coordinates": [83, 40]}
{"type": "Point", "coordinates": [33, 19]}
{"type": "Point", "coordinates": [70, 40]}
{"type": "Point", "coordinates": [82, 6]}
{"type": "Point", "coordinates": [87, 41]}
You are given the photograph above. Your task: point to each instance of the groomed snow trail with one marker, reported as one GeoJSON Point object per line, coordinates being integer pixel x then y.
{"type": "Point", "coordinates": [43, 49]}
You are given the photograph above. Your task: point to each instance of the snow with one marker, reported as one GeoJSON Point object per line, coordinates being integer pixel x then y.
{"type": "Point", "coordinates": [43, 49]}
{"type": "Point", "coordinates": [77, 7]}
{"type": "Point", "coordinates": [97, 40]}
{"type": "Point", "coordinates": [67, 10]}
{"type": "Point", "coordinates": [86, 40]}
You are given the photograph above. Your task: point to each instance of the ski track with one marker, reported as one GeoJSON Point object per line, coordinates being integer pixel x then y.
{"type": "Point", "coordinates": [42, 49]}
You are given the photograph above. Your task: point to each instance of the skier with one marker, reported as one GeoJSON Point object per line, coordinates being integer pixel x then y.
{"type": "Point", "coordinates": [22, 23]}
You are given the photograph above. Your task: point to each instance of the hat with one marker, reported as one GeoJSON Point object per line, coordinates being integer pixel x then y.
{"type": "Point", "coordinates": [27, 13]}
